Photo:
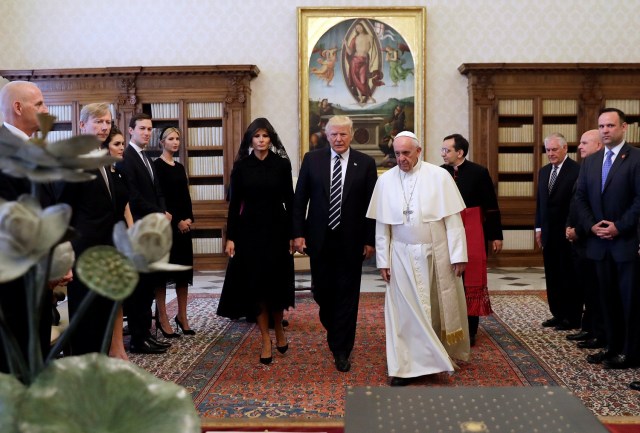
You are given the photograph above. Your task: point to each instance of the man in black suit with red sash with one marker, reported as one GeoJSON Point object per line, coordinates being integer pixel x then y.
{"type": "Point", "coordinates": [482, 224]}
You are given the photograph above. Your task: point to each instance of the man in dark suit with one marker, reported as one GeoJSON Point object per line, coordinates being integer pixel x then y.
{"type": "Point", "coordinates": [20, 102]}
{"type": "Point", "coordinates": [335, 233]}
{"type": "Point", "coordinates": [94, 215]}
{"type": "Point", "coordinates": [591, 334]}
{"type": "Point", "coordinates": [555, 188]}
{"type": "Point", "coordinates": [635, 385]}
{"type": "Point", "coordinates": [608, 196]}
{"type": "Point", "coordinates": [482, 212]}
{"type": "Point", "coordinates": [145, 197]}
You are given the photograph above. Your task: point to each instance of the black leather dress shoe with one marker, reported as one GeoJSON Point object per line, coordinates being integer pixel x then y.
{"type": "Point", "coordinates": [163, 344]}
{"type": "Point", "coordinates": [594, 343]}
{"type": "Point", "coordinates": [635, 386]}
{"type": "Point", "coordinates": [579, 336]}
{"type": "Point", "coordinates": [400, 381]}
{"type": "Point", "coordinates": [565, 325]}
{"type": "Point", "coordinates": [599, 357]}
{"type": "Point", "coordinates": [619, 362]}
{"type": "Point", "coordinates": [342, 363]}
{"type": "Point", "coordinates": [146, 348]}
{"type": "Point", "coordinates": [551, 322]}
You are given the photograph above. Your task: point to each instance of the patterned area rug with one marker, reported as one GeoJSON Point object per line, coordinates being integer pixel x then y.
{"type": "Point", "coordinates": [220, 367]}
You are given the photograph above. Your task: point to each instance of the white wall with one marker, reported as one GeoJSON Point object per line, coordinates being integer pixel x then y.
{"type": "Point", "coordinates": [93, 33]}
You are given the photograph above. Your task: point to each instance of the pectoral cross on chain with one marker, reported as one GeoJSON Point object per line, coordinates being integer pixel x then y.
{"type": "Point", "coordinates": [407, 211]}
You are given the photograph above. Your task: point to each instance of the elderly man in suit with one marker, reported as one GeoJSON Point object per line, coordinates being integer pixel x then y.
{"type": "Point", "coordinates": [555, 188]}
{"type": "Point", "coordinates": [336, 184]}
{"type": "Point", "coordinates": [591, 335]}
{"type": "Point", "coordinates": [145, 197]}
{"type": "Point", "coordinates": [20, 102]}
{"type": "Point", "coordinates": [608, 196]}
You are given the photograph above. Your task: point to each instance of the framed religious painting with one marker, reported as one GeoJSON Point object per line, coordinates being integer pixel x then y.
{"type": "Point", "coordinates": [365, 63]}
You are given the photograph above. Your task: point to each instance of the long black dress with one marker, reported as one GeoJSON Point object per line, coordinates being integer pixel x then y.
{"type": "Point", "coordinates": [259, 223]}
{"type": "Point", "coordinates": [175, 187]}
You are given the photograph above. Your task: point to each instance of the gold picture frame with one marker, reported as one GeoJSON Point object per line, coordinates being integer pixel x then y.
{"type": "Point", "coordinates": [367, 63]}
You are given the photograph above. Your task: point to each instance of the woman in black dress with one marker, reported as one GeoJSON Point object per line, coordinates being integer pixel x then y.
{"type": "Point", "coordinates": [259, 281]}
{"type": "Point", "coordinates": [115, 145]}
{"type": "Point", "coordinates": [175, 187]}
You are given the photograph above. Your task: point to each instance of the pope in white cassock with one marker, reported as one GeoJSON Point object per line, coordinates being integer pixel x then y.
{"type": "Point", "coordinates": [421, 252]}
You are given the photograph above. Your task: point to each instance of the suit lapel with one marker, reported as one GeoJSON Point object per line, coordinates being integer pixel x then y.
{"type": "Point", "coordinates": [326, 164]}
{"type": "Point", "coordinates": [352, 169]}
{"type": "Point", "coordinates": [622, 155]}
{"type": "Point", "coordinates": [544, 177]}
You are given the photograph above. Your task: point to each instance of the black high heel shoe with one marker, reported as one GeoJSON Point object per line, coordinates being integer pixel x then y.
{"type": "Point", "coordinates": [283, 349]}
{"type": "Point", "coordinates": [167, 334]}
{"type": "Point", "coordinates": [267, 361]}
{"type": "Point", "coordinates": [184, 331]}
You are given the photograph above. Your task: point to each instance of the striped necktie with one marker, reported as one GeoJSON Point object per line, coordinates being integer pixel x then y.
{"type": "Point", "coordinates": [335, 195]}
{"type": "Point", "coordinates": [552, 179]}
{"type": "Point", "coordinates": [606, 167]}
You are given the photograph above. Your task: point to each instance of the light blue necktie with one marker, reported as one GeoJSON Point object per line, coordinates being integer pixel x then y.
{"type": "Point", "coordinates": [606, 167]}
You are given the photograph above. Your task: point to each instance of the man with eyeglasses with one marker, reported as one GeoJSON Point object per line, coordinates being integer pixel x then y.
{"type": "Point", "coordinates": [482, 223]}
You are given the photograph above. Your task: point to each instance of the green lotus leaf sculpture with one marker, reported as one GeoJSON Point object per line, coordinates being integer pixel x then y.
{"type": "Point", "coordinates": [107, 272]}
{"type": "Point", "coordinates": [63, 259]}
{"type": "Point", "coordinates": [12, 394]}
{"type": "Point", "coordinates": [97, 394]}
{"type": "Point", "coordinates": [147, 243]}
{"type": "Point", "coordinates": [27, 233]}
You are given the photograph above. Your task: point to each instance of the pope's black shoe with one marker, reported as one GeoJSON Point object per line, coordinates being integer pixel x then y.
{"type": "Point", "coordinates": [400, 381]}
{"type": "Point", "coordinates": [635, 386]}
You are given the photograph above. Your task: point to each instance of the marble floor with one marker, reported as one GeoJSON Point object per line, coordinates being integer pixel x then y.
{"type": "Point", "coordinates": [499, 279]}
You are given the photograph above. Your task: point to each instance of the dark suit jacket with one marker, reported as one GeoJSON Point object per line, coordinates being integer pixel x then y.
{"type": "Point", "coordinates": [145, 194]}
{"type": "Point", "coordinates": [312, 189]}
{"type": "Point", "coordinates": [552, 209]}
{"type": "Point", "coordinates": [618, 202]}
{"type": "Point", "coordinates": [94, 211]}
{"type": "Point", "coordinates": [476, 188]}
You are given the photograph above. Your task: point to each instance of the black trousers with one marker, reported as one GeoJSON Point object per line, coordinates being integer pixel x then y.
{"type": "Point", "coordinates": [336, 289]}
{"type": "Point", "coordinates": [618, 285]}
{"type": "Point", "coordinates": [87, 338]}
{"type": "Point", "coordinates": [587, 278]}
{"type": "Point", "coordinates": [13, 303]}
{"type": "Point", "coordinates": [563, 294]}
{"type": "Point", "coordinates": [137, 307]}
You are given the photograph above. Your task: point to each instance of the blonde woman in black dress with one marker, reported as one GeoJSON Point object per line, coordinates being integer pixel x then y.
{"type": "Point", "coordinates": [259, 281]}
{"type": "Point", "coordinates": [175, 187]}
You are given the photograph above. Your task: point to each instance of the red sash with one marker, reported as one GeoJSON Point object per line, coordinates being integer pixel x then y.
{"type": "Point", "coordinates": [475, 274]}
